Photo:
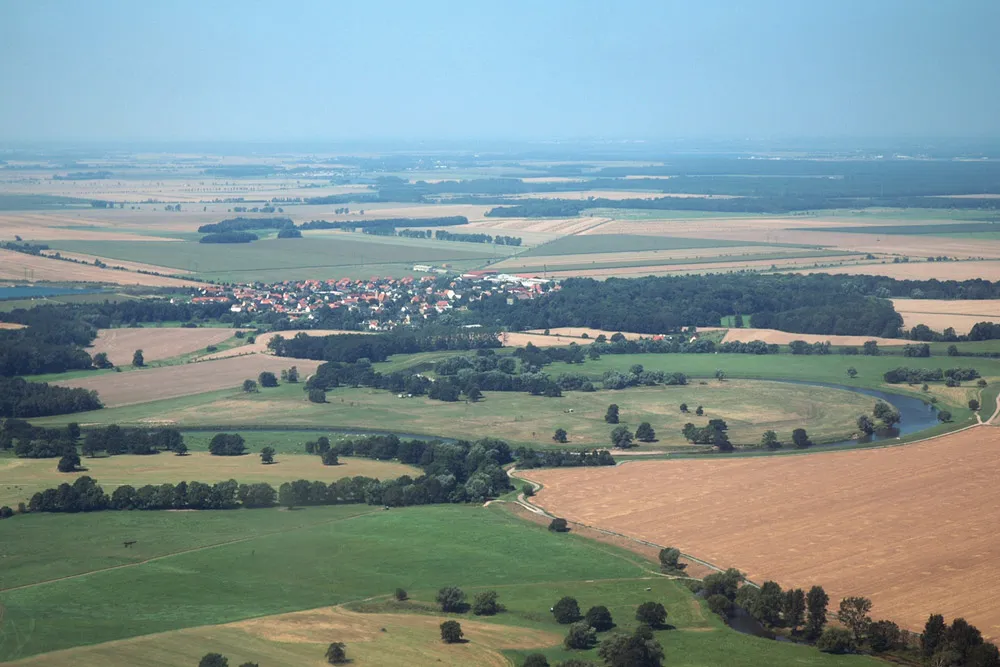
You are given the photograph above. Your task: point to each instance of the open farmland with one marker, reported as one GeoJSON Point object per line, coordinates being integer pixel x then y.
{"type": "Point", "coordinates": [939, 314]}
{"type": "Point", "coordinates": [260, 345]}
{"type": "Point", "coordinates": [911, 527]}
{"type": "Point", "coordinates": [965, 270]}
{"type": "Point", "coordinates": [20, 478]}
{"type": "Point", "coordinates": [317, 256]}
{"type": "Point", "coordinates": [156, 344]}
{"type": "Point", "coordinates": [615, 243]}
{"type": "Point", "coordinates": [18, 266]}
{"type": "Point", "coordinates": [784, 338]}
{"type": "Point", "coordinates": [140, 386]}
{"type": "Point", "coordinates": [749, 407]}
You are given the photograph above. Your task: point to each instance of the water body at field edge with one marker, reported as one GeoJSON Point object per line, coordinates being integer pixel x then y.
{"type": "Point", "coordinates": [915, 415]}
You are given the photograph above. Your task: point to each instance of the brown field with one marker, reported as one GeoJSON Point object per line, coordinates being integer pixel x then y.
{"type": "Point", "coordinates": [554, 226]}
{"type": "Point", "coordinates": [911, 527]}
{"type": "Point", "coordinates": [20, 266]}
{"type": "Point", "coordinates": [987, 270]}
{"type": "Point", "coordinates": [260, 345]}
{"type": "Point", "coordinates": [20, 478]}
{"type": "Point", "coordinates": [784, 338]}
{"type": "Point", "coordinates": [156, 344]}
{"type": "Point", "coordinates": [790, 264]}
{"type": "Point", "coordinates": [12, 325]}
{"type": "Point", "coordinates": [940, 314]}
{"type": "Point", "coordinates": [654, 257]}
{"type": "Point", "coordinates": [300, 638]}
{"type": "Point", "coordinates": [577, 332]}
{"type": "Point", "coordinates": [131, 266]}
{"type": "Point", "coordinates": [57, 225]}
{"type": "Point", "coordinates": [140, 386]}
{"type": "Point", "coordinates": [559, 336]}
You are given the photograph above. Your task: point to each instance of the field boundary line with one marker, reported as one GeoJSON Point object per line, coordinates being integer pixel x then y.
{"type": "Point", "coordinates": [181, 553]}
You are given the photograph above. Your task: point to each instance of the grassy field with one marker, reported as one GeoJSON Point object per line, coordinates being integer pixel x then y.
{"type": "Point", "coordinates": [315, 256]}
{"type": "Point", "coordinates": [539, 265]}
{"type": "Point", "coordinates": [223, 567]}
{"type": "Point", "coordinates": [750, 408]}
{"type": "Point", "coordinates": [597, 243]}
{"type": "Point", "coordinates": [20, 478]}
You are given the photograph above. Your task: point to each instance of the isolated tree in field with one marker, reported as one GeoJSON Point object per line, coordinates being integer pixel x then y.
{"type": "Point", "coordinates": [451, 632]}
{"type": "Point", "coordinates": [473, 393]}
{"type": "Point", "coordinates": [101, 360]}
{"type": "Point", "coordinates": [870, 348]}
{"type": "Point", "coordinates": [684, 408]}
{"type": "Point", "coordinates": [267, 455]}
{"type": "Point", "coordinates": [227, 444]}
{"type": "Point", "coordinates": [292, 375]}
{"type": "Point", "coordinates": [336, 653]}
{"type": "Point", "coordinates": [137, 359]}
{"type": "Point", "coordinates": [213, 660]}
{"type": "Point", "coordinates": [670, 559]}
{"type": "Point", "coordinates": [801, 438]}
{"type": "Point", "coordinates": [852, 372]}
{"type": "Point", "coordinates": [180, 449]}
{"type": "Point", "coordinates": [770, 440]}
{"type": "Point", "coordinates": [865, 424]}
{"type": "Point", "coordinates": [486, 604]}
{"type": "Point", "coordinates": [953, 350]}
{"type": "Point", "coordinates": [330, 458]}
{"type": "Point", "coordinates": [835, 640]}
{"type": "Point", "coordinates": [451, 599]}
{"type": "Point", "coordinates": [793, 608]}
{"type": "Point", "coordinates": [560, 435]}
{"type": "Point", "coordinates": [599, 618]}
{"type": "Point", "coordinates": [580, 637]}
{"type": "Point", "coordinates": [933, 635]}
{"type": "Point", "coordinates": [317, 396]}
{"type": "Point", "coordinates": [621, 437]}
{"type": "Point", "coordinates": [528, 490]}
{"type": "Point", "coordinates": [853, 613]}
{"type": "Point", "coordinates": [558, 525]}
{"type": "Point", "coordinates": [652, 614]}
{"type": "Point", "coordinates": [566, 611]}
{"type": "Point", "coordinates": [981, 383]}
{"type": "Point", "coordinates": [249, 386]}
{"type": "Point", "coordinates": [639, 649]}
{"type": "Point", "coordinates": [974, 405]}
{"type": "Point", "coordinates": [816, 603]}
{"type": "Point", "coordinates": [69, 463]}
{"type": "Point", "coordinates": [267, 379]}
{"type": "Point", "coordinates": [400, 595]}
{"type": "Point", "coordinates": [536, 660]}
{"type": "Point", "coordinates": [944, 416]}
{"type": "Point", "coordinates": [645, 432]}
{"type": "Point", "coordinates": [699, 411]}
{"type": "Point", "coordinates": [611, 416]}
{"type": "Point", "coordinates": [720, 374]}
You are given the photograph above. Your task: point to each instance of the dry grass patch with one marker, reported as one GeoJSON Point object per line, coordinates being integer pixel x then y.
{"type": "Point", "coordinates": [940, 314]}
{"type": "Point", "coordinates": [970, 270]}
{"type": "Point", "coordinates": [784, 338]}
{"type": "Point", "coordinates": [17, 265]}
{"type": "Point", "coordinates": [911, 527]}
{"type": "Point", "coordinates": [260, 345]}
{"type": "Point", "coordinates": [141, 386]}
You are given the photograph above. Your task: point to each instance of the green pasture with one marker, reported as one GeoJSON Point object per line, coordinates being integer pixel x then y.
{"type": "Point", "coordinates": [191, 569]}
{"type": "Point", "coordinates": [947, 229]}
{"type": "Point", "coordinates": [313, 256]}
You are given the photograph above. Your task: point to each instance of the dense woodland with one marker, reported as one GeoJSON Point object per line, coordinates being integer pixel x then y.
{"type": "Point", "coordinates": [20, 398]}
{"type": "Point", "coordinates": [242, 224]}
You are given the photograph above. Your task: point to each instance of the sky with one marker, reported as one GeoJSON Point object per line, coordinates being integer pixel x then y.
{"type": "Point", "coordinates": [240, 70]}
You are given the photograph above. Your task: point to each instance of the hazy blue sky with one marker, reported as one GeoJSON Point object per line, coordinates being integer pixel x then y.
{"type": "Point", "coordinates": [241, 69]}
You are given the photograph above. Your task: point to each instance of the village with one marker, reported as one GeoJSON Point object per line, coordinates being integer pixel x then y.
{"type": "Point", "coordinates": [389, 302]}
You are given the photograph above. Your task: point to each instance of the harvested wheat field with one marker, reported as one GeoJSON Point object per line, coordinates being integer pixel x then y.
{"type": "Point", "coordinates": [968, 270]}
{"type": "Point", "coordinates": [153, 384]}
{"type": "Point", "coordinates": [578, 332]}
{"type": "Point", "coordinates": [131, 266]}
{"type": "Point", "coordinates": [300, 638]}
{"type": "Point", "coordinates": [939, 314]}
{"type": "Point", "coordinates": [911, 527]}
{"type": "Point", "coordinates": [156, 344]}
{"type": "Point", "coordinates": [814, 264]}
{"type": "Point", "coordinates": [260, 345]}
{"type": "Point", "coordinates": [784, 338]}
{"type": "Point", "coordinates": [21, 266]}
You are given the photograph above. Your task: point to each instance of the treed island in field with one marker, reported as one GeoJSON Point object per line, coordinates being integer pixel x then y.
{"type": "Point", "coordinates": [280, 416]}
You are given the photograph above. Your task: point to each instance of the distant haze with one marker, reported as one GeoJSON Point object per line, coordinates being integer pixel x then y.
{"type": "Point", "coordinates": [278, 71]}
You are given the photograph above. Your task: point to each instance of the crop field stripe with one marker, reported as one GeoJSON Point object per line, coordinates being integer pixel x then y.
{"type": "Point", "coordinates": [582, 244]}
{"type": "Point", "coordinates": [819, 254]}
{"type": "Point", "coordinates": [185, 551]}
{"type": "Point", "coordinates": [933, 229]}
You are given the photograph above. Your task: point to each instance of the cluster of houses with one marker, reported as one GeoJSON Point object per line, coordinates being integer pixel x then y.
{"type": "Point", "coordinates": [389, 301]}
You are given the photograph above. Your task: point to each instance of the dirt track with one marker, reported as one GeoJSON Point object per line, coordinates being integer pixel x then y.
{"type": "Point", "coordinates": [911, 527]}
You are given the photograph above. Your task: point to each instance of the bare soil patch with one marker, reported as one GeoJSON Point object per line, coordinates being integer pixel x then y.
{"type": "Point", "coordinates": [911, 527]}
{"type": "Point", "coordinates": [156, 344]}
{"type": "Point", "coordinates": [153, 384]}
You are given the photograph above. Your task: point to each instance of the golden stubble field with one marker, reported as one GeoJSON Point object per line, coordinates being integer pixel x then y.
{"type": "Point", "coordinates": [911, 527]}
{"type": "Point", "coordinates": [940, 314]}
{"type": "Point", "coordinates": [784, 338]}
{"type": "Point", "coordinates": [18, 266]}
{"type": "Point", "coordinates": [152, 384]}
{"type": "Point", "coordinates": [156, 344]}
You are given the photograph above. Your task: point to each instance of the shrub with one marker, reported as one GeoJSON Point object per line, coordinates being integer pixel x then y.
{"type": "Point", "coordinates": [336, 653]}
{"type": "Point", "coordinates": [451, 599]}
{"type": "Point", "coordinates": [973, 405]}
{"type": "Point", "coordinates": [567, 610]}
{"type": "Point", "coordinates": [451, 632]}
{"type": "Point", "coordinates": [559, 526]}
{"type": "Point", "coordinates": [560, 435]}
{"type": "Point", "coordinates": [944, 416]}
{"type": "Point", "coordinates": [528, 490]}
{"type": "Point", "coordinates": [652, 614]}
{"type": "Point", "coordinates": [400, 595]}
{"type": "Point", "coordinates": [485, 604]}
{"type": "Point", "coordinates": [835, 640]}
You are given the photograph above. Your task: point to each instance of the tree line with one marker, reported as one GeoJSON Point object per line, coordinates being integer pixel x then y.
{"type": "Point", "coordinates": [243, 224]}
{"type": "Point", "coordinates": [229, 237]}
{"type": "Point", "coordinates": [441, 221]}
{"type": "Point", "coordinates": [20, 398]}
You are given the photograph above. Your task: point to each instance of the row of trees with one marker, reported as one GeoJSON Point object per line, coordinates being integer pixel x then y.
{"type": "Point", "coordinates": [20, 398]}
{"type": "Point", "coordinates": [920, 375]}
